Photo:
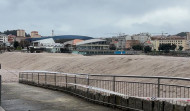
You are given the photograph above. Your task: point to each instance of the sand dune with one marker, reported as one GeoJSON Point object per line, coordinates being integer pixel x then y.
{"type": "Point", "coordinates": [13, 62]}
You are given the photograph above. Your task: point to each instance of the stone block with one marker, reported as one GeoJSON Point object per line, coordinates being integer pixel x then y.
{"type": "Point", "coordinates": [138, 103]}
{"type": "Point", "coordinates": [101, 98]}
{"type": "Point", "coordinates": [168, 106]}
{"type": "Point", "coordinates": [118, 100]}
{"type": "Point", "coordinates": [148, 105]}
{"type": "Point", "coordinates": [124, 102]}
{"type": "Point", "coordinates": [179, 108]}
{"type": "Point", "coordinates": [158, 106]}
{"type": "Point", "coordinates": [131, 102]}
{"type": "Point", "coordinates": [188, 108]}
{"type": "Point", "coordinates": [112, 99]}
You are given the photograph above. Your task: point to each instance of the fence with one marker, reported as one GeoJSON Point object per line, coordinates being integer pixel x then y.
{"type": "Point", "coordinates": [144, 87]}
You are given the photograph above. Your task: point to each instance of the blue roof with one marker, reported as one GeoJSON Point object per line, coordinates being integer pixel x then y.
{"type": "Point", "coordinates": [69, 37]}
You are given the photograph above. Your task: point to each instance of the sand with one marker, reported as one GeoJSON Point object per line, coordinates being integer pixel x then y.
{"type": "Point", "coordinates": [13, 62]}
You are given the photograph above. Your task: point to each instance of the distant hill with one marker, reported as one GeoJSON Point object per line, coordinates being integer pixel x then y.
{"type": "Point", "coordinates": [62, 38]}
{"type": "Point", "coordinates": [13, 32]}
{"type": "Point", "coordinates": [182, 34]}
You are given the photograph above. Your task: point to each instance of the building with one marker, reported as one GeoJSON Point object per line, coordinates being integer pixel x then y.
{"type": "Point", "coordinates": [48, 45]}
{"type": "Point", "coordinates": [19, 39]}
{"type": "Point", "coordinates": [92, 44]}
{"type": "Point", "coordinates": [177, 40]}
{"type": "Point", "coordinates": [3, 39]}
{"type": "Point", "coordinates": [34, 34]}
{"type": "Point", "coordinates": [142, 37]}
{"type": "Point", "coordinates": [20, 33]}
{"type": "Point", "coordinates": [188, 35]}
{"type": "Point", "coordinates": [73, 42]}
{"type": "Point", "coordinates": [188, 40]}
{"type": "Point", "coordinates": [131, 43]}
{"type": "Point", "coordinates": [71, 45]}
{"type": "Point", "coordinates": [11, 38]}
{"type": "Point", "coordinates": [120, 41]}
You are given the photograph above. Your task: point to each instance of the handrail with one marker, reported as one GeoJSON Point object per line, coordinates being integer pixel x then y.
{"type": "Point", "coordinates": [112, 75]}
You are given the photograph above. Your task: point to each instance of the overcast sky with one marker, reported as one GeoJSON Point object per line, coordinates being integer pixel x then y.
{"type": "Point", "coordinates": [95, 17]}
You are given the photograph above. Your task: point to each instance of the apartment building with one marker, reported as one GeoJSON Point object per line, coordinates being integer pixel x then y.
{"type": "Point", "coordinates": [142, 37]}
{"type": "Point", "coordinates": [20, 33]}
{"type": "Point", "coordinates": [120, 41]}
{"type": "Point", "coordinates": [3, 38]}
{"type": "Point", "coordinates": [177, 40]}
{"type": "Point", "coordinates": [34, 34]}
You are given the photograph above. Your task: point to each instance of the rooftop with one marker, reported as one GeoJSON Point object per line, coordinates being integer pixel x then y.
{"type": "Point", "coordinates": [90, 41]}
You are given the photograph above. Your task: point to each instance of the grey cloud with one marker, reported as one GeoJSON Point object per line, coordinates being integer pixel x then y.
{"type": "Point", "coordinates": [91, 17]}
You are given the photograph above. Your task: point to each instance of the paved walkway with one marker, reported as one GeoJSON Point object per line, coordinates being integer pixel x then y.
{"type": "Point", "coordinates": [20, 97]}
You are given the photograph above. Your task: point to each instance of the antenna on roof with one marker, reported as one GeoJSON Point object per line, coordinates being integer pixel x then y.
{"type": "Point", "coordinates": [52, 32]}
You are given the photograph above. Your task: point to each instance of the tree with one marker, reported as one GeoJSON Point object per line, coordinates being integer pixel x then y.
{"type": "Point", "coordinates": [137, 47]}
{"type": "Point", "coordinates": [27, 35]}
{"type": "Point", "coordinates": [112, 47]}
{"type": "Point", "coordinates": [12, 32]}
{"type": "Point", "coordinates": [173, 47]}
{"type": "Point", "coordinates": [16, 44]}
{"type": "Point", "coordinates": [165, 47]}
{"type": "Point", "coordinates": [180, 48]}
{"type": "Point", "coordinates": [147, 49]}
{"type": "Point", "coordinates": [24, 43]}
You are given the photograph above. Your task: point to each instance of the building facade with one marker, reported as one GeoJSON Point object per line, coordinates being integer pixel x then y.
{"type": "Point", "coordinates": [3, 38]}
{"type": "Point", "coordinates": [131, 43]}
{"type": "Point", "coordinates": [120, 41]}
{"type": "Point", "coordinates": [20, 33]}
{"type": "Point", "coordinates": [92, 44]}
{"type": "Point", "coordinates": [34, 34]}
{"type": "Point", "coordinates": [11, 38]}
{"type": "Point", "coordinates": [142, 37]}
{"type": "Point", "coordinates": [178, 41]}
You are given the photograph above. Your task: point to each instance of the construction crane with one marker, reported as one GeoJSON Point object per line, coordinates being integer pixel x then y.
{"type": "Point", "coordinates": [160, 33]}
{"type": "Point", "coordinates": [116, 34]}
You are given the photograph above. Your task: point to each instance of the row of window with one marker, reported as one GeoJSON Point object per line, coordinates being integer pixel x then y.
{"type": "Point", "coordinates": [171, 41]}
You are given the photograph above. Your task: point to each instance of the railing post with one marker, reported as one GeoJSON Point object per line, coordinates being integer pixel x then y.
{"type": "Point", "coordinates": [114, 83]}
{"type": "Point", "coordinates": [75, 82]}
{"type": "Point", "coordinates": [22, 77]}
{"type": "Point", "coordinates": [87, 83]}
{"type": "Point", "coordinates": [45, 79]}
{"type": "Point", "coordinates": [32, 77]}
{"type": "Point", "coordinates": [19, 76]}
{"type": "Point", "coordinates": [114, 90]}
{"type": "Point", "coordinates": [158, 87]}
{"type": "Point", "coordinates": [27, 77]}
{"type": "Point", "coordinates": [55, 78]}
{"type": "Point", "coordinates": [66, 80]}
{"type": "Point", "coordinates": [38, 78]}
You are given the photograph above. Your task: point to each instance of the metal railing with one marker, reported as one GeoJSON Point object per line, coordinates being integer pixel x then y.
{"type": "Point", "coordinates": [128, 85]}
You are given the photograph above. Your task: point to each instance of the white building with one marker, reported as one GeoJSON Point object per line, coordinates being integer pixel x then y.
{"type": "Point", "coordinates": [120, 41]}
{"type": "Point", "coordinates": [3, 38]}
{"type": "Point", "coordinates": [142, 37]}
{"type": "Point", "coordinates": [48, 44]}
